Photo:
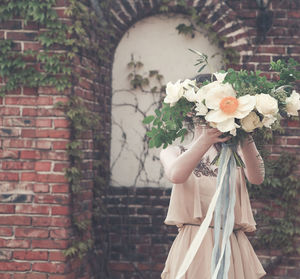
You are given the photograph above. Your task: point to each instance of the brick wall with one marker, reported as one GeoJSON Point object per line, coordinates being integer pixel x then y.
{"type": "Point", "coordinates": [35, 199]}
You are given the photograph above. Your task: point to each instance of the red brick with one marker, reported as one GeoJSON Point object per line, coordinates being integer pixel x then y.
{"type": "Point", "coordinates": [272, 49]}
{"type": "Point", "coordinates": [5, 275]}
{"type": "Point", "coordinates": [28, 133]}
{"type": "Point", "coordinates": [32, 209]}
{"type": "Point", "coordinates": [14, 243]}
{"type": "Point", "coordinates": [30, 154]}
{"type": "Point", "coordinates": [121, 266]}
{"type": "Point", "coordinates": [60, 210]}
{"type": "Point", "coordinates": [15, 220]}
{"type": "Point", "coordinates": [32, 46]}
{"type": "Point", "coordinates": [7, 208]}
{"type": "Point", "coordinates": [60, 234]}
{"type": "Point", "coordinates": [56, 256]}
{"type": "Point", "coordinates": [60, 145]}
{"type": "Point", "coordinates": [31, 275]}
{"type": "Point", "coordinates": [29, 90]}
{"type": "Point", "coordinates": [14, 266]}
{"type": "Point", "coordinates": [31, 233]}
{"type": "Point", "coordinates": [9, 154]}
{"type": "Point", "coordinates": [51, 199]}
{"type": "Point", "coordinates": [41, 188]}
{"type": "Point", "coordinates": [293, 141]}
{"type": "Point", "coordinates": [43, 144]}
{"type": "Point", "coordinates": [43, 122]}
{"type": "Point", "coordinates": [14, 165]}
{"type": "Point", "coordinates": [17, 143]}
{"type": "Point", "coordinates": [61, 123]}
{"type": "Point", "coordinates": [29, 112]}
{"type": "Point", "coordinates": [6, 231]}
{"type": "Point", "coordinates": [51, 178]}
{"type": "Point", "coordinates": [51, 221]}
{"type": "Point", "coordinates": [53, 134]}
{"type": "Point", "coordinates": [55, 156]}
{"type": "Point", "coordinates": [9, 176]}
{"type": "Point", "coordinates": [9, 111]}
{"type": "Point", "coordinates": [49, 244]}
{"type": "Point", "coordinates": [60, 167]}
{"type": "Point", "coordinates": [43, 166]}
{"type": "Point", "coordinates": [63, 188]}
{"type": "Point", "coordinates": [28, 176]}
{"type": "Point", "coordinates": [49, 267]}
{"type": "Point", "coordinates": [21, 36]}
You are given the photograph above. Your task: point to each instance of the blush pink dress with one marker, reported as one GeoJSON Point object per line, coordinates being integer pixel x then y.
{"type": "Point", "coordinates": [188, 205]}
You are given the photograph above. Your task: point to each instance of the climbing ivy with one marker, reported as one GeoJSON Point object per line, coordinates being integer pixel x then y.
{"type": "Point", "coordinates": [55, 69]}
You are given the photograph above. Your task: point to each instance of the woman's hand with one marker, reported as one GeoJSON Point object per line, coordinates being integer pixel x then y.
{"type": "Point", "coordinates": [211, 135]}
{"type": "Point", "coordinates": [178, 167]}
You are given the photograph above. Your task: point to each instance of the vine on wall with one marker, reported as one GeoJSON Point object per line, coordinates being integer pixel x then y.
{"type": "Point", "coordinates": [55, 69]}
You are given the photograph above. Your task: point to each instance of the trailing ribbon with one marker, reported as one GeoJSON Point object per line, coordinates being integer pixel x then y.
{"type": "Point", "coordinates": [222, 203]}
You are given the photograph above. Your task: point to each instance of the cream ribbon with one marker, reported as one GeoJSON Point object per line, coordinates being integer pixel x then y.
{"type": "Point", "coordinates": [204, 226]}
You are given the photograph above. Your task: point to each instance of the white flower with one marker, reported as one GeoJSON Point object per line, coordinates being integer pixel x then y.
{"type": "Point", "coordinates": [266, 105]}
{"type": "Point", "coordinates": [190, 95]}
{"type": "Point", "coordinates": [293, 103]}
{"type": "Point", "coordinates": [220, 76]}
{"type": "Point", "coordinates": [225, 107]}
{"type": "Point", "coordinates": [174, 92]}
{"type": "Point", "coordinates": [188, 84]}
{"type": "Point", "coordinates": [268, 120]}
{"type": "Point", "coordinates": [251, 122]}
{"type": "Point", "coordinates": [201, 109]}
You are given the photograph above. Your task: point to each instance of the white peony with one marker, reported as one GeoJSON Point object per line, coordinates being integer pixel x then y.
{"type": "Point", "coordinates": [190, 95]}
{"type": "Point", "coordinates": [201, 109]}
{"type": "Point", "coordinates": [174, 92]}
{"type": "Point", "coordinates": [266, 105]}
{"type": "Point", "coordinates": [220, 76]}
{"type": "Point", "coordinates": [268, 120]}
{"type": "Point", "coordinates": [293, 103]}
{"type": "Point", "coordinates": [225, 107]}
{"type": "Point", "coordinates": [251, 122]}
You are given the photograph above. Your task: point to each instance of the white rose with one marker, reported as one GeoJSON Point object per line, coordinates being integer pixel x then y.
{"type": "Point", "coordinates": [293, 103]}
{"type": "Point", "coordinates": [250, 122]}
{"type": "Point", "coordinates": [268, 120]}
{"type": "Point", "coordinates": [174, 92]}
{"type": "Point", "coordinates": [266, 105]}
{"type": "Point", "coordinates": [190, 95]}
{"type": "Point", "coordinates": [201, 109]}
{"type": "Point", "coordinates": [220, 76]}
{"type": "Point", "coordinates": [188, 84]}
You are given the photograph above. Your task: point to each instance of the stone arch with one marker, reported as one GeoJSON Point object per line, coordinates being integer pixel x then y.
{"type": "Point", "coordinates": [220, 17]}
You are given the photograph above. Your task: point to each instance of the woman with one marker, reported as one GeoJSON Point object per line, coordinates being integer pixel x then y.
{"type": "Point", "coordinates": [194, 178]}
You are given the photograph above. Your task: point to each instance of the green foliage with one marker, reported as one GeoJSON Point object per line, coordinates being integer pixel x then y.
{"type": "Point", "coordinates": [280, 188]}
{"type": "Point", "coordinates": [55, 67]}
{"type": "Point", "coordinates": [167, 124]}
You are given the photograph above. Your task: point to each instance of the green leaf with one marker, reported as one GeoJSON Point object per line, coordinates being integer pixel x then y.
{"type": "Point", "coordinates": [148, 119]}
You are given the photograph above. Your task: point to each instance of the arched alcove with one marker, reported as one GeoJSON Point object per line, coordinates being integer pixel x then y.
{"type": "Point", "coordinates": [154, 42]}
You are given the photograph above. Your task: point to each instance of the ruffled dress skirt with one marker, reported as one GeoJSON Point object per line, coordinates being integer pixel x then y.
{"type": "Point", "coordinates": [188, 205]}
{"type": "Point", "coordinates": [244, 262]}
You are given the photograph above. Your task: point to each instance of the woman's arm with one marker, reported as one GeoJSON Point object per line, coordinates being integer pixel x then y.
{"type": "Point", "coordinates": [254, 170]}
{"type": "Point", "coordinates": [178, 167]}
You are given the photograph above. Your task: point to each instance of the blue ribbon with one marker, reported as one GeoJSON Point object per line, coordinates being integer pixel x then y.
{"type": "Point", "coordinates": [224, 215]}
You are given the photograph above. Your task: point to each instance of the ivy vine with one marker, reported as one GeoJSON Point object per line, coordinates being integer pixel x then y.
{"type": "Point", "coordinates": [55, 70]}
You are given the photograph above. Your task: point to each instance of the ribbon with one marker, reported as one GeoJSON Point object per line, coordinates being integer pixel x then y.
{"type": "Point", "coordinates": [222, 203]}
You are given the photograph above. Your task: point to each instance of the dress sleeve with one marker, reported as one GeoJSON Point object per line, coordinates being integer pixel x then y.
{"type": "Point", "coordinates": [246, 219]}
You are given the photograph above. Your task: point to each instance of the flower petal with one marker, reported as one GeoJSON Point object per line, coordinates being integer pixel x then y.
{"type": "Point", "coordinates": [226, 125]}
{"type": "Point", "coordinates": [217, 116]}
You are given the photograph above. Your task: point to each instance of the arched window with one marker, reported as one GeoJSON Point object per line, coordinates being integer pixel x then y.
{"type": "Point", "coordinates": [155, 43]}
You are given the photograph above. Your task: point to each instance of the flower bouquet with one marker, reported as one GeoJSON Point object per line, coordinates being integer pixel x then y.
{"type": "Point", "coordinates": [236, 103]}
